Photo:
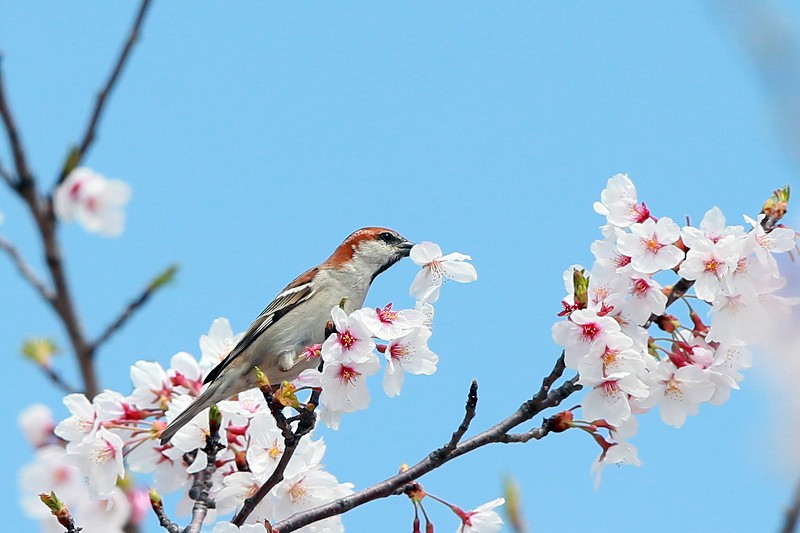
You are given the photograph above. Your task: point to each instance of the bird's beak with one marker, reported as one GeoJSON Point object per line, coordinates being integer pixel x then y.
{"type": "Point", "coordinates": [405, 248]}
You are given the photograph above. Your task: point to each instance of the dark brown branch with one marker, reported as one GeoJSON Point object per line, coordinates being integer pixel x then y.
{"type": "Point", "coordinates": [163, 519]}
{"type": "Point", "coordinates": [533, 434]}
{"type": "Point", "coordinates": [469, 414]}
{"type": "Point", "coordinates": [7, 177]}
{"type": "Point", "coordinates": [25, 270]}
{"type": "Point", "coordinates": [77, 155]}
{"type": "Point", "coordinates": [57, 380]}
{"type": "Point", "coordinates": [201, 487]}
{"type": "Point", "coordinates": [24, 175]}
{"type": "Point", "coordinates": [792, 516]}
{"type": "Point", "coordinates": [545, 398]}
{"type": "Point", "coordinates": [132, 307]}
{"type": "Point", "coordinates": [307, 421]}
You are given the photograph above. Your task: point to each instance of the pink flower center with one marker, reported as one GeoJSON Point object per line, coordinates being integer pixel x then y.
{"type": "Point", "coordinates": [347, 374]}
{"type": "Point", "coordinates": [640, 287]}
{"type": "Point", "coordinates": [61, 474]}
{"type": "Point", "coordinates": [386, 315]}
{"type": "Point", "coordinates": [712, 265]}
{"type": "Point", "coordinates": [622, 260]}
{"type": "Point", "coordinates": [75, 190]}
{"type": "Point", "coordinates": [347, 340]}
{"type": "Point", "coordinates": [399, 351]}
{"type": "Point", "coordinates": [298, 491]}
{"type": "Point", "coordinates": [590, 331]}
{"type": "Point", "coordinates": [639, 212]}
{"type": "Point", "coordinates": [674, 388]}
{"type": "Point", "coordinates": [610, 357]}
{"type": "Point", "coordinates": [610, 388]}
{"type": "Point", "coordinates": [312, 352]}
{"type": "Point", "coordinates": [652, 245]}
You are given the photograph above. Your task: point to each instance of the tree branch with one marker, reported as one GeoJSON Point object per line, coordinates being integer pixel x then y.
{"type": "Point", "coordinates": [24, 176]}
{"type": "Point", "coordinates": [201, 487]}
{"type": "Point", "coordinates": [57, 380]}
{"type": "Point", "coordinates": [77, 155]}
{"type": "Point", "coordinates": [545, 398]}
{"type": "Point", "coordinates": [792, 516]}
{"type": "Point", "coordinates": [134, 306]}
{"type": "Point", "coordinates": [7, 177]}
{"type": "Point", "coordinates": [26, 271]}
{"type": "Point", "coordinates": [307, 421]}
{"type": "Point", "coordinates": [469, 414]}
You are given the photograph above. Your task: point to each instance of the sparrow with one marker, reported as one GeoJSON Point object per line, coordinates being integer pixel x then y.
{"type": "Point", "coordinates": [296, 318]}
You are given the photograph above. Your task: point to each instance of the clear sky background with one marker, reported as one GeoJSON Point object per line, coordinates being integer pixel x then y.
{"type": "Point", "coordinates": [257, 135]}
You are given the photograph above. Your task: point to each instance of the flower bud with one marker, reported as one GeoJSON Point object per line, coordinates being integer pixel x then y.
{"type": "Point", "coordinates": [214, 419]}
{"type": "Point", "coordinates": [40, 350]}
{"type": "Point", "coordinates": [285, 395]}
{"type": "Point", "coordinates": [58, 509]}
{"type": "Point", "coordinates": [668, 323]}
{"type": "Point", "coordinates": [561, 421]}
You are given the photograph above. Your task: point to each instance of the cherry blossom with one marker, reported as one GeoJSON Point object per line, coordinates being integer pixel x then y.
{"type": "Point", "coordinates": [613, 356]}
{"type": "Point", "coordinates": [708, 263]}
{"type": "Point", "coordinates": [409, 353]}
{"type": "Point", "coordinates": [618, 453]}
{"type": "Point", "coordinates": [645, 297]}
{"type": "Point", "coordinates": [352, 340]}
{"type": "Point", "coordinates": [304, 490]}
{"type": "Point", "coordinates": [217, 344]}
{"type": "Point", "coordinates": [37, 424]}
{"type": "Point", "coordinates": [344, 384]}
{"type": "Point", "coordinates": [583, 329]}
{"type": "Point", "coordinates": [650, 245]}
{"type": "Point", "coordinates": [436, 268]}
{"type": "Point", "coordinates": [618, 203]}
{"type": "Point", "coordinates": [677, 391]}
{"type": "Point", "coordinates": [227, 527]}
{"type": "Point", "coordinates": [191, 436]}
{"type": "Point", "coordinates": [152, 386]}
{"type": "Point", "coordinates": [96, 202]}
{"type": "Point", "coordinates": [765, 244]}
{"type": "Point", "coordinates": [608, 398]}
{"type": "Point", "coordinates": [388, 324]}
{"type": "Point", "coordinates": [81, 424]}
{"type": "Point", "coordinates": [100, 460]}
{"type": "Point", "coordinates": [712, 228]}
{"type": "Point", "coordinates": [482, 519]}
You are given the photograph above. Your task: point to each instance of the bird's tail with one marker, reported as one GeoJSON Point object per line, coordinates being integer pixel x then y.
{"type": "Point", "coordinates": [207, 398]}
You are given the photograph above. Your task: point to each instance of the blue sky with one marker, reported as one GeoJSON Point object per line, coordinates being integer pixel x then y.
{"type": "Point", "coordinates": [257, 135]}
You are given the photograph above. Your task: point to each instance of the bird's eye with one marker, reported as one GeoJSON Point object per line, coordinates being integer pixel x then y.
{"type": "Point", "coordinates": [387, 237]}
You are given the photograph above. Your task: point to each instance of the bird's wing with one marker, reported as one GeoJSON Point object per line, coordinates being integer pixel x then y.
{"type": "Point", "coordinates": [293, 295]}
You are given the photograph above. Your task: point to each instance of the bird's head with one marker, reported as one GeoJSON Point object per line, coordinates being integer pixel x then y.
{"type": "Point", "coordinates": [371, 249]}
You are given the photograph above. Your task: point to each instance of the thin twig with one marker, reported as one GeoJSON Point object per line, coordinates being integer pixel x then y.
{"type": "Point", "coordinates": [24, 176]}
{"type": "Point", "coordinates": [102, 96]}
{"type": "Point", "coordinates": [469, 414]}
{"type": "Point", "coordinates": [201, 488]}
{"type": "Point", "coordinates": [532, 434]}
{"type": "Point", "coordinates": [306, 422]}
{"type": "Point", "coordinates": [7, 177]}
{"type": "Point", "coordinates": [163, 519]}
{"type": "Point", "coordinates": [131, 308]}
{"type": "Point", "coordinates": [56, 378]}
{"type": "Point", "coordinates": [545, 398]}
{"type": "Point", "coordinates": [26, 270]}
{"type": "Point", "coordinates": [792, 516]}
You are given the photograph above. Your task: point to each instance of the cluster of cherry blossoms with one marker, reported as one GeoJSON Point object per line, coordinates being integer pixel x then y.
{"type": "Point", "coordinates": [609, 309]}
{"type": "Point", "coordinates": [111, 435]}
{"type": "Point", "coordinates": [96, 202]}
